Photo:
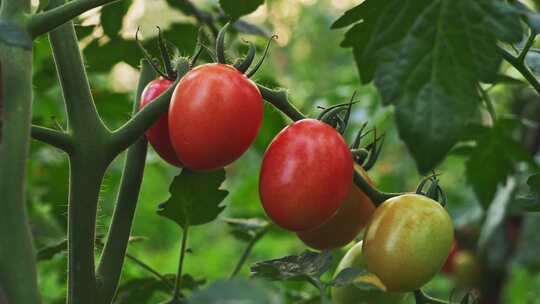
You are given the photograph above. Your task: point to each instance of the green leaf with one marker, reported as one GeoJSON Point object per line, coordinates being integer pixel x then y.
{"type": "Point", "coordinates": [140, 290]}
{"type": "Point", "coordinates": [235, 291]}
{"type": "Point", "coordinates": [426, 58]}
{"type": "Point", "coordinates": [534, 183]}
{"type": "Point", "coordinates": [84, 31]}
{"type": "Point", "coordinates": [112, 17]}
{"type": "Point", "coordinates": [182, 5]}
{"type": "Point", "coordinates": [14, 34]}
{"type": "Point", "coordinates": [238, 8]}
{"type": "Point", "coordinates": [246, 229]}
{"type": "Point", "coordinates": [195, 198]}
{"type": "Point", "coordinates": [294, 267]}
{"type": "Point", "coordinates": [48, 252]}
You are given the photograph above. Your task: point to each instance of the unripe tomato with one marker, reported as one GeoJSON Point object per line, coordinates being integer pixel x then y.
{"type": "Point", "coordinates": [306, 174]}
{"type": "Point", "coordinates": [353, 295]}
{"type": "Point", "coordinates": [407, 241]}
{"type": "Point", "coordinates": [467, 272]}
{"type": "Point", "coordinates": [158, 134]}
{"type": "Point", "coordinates": [214, 116]}
{"type": "Point", "coordinates": [345, 224]}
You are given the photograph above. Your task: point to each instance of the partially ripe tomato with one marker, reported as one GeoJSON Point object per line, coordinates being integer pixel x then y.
{"type": "Point", "coordinates": [158, 134]}
{"type": "Point", "coordinates": [407, 241]}
{"type": "Point", "coordinates": [345, 224]}
{"type": "Point", "coordinates": [214, 116]}
{"type": "Point", "coordinates": [448, 266]}
{"type": "Point", "coordinates": [467, 272]}
{"type": "Point", "coordinates": [353, 295]}
{"type": "Point", "coordinates": [306, 174]}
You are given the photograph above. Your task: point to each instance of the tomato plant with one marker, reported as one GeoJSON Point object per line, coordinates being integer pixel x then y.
{"type": "Point", "coordinates": [306, 174]}
{"type": "Point", "coordinates": [214, 116]}
{"type": "Point", "coordinates": [407, 241]}
{"type": "Point", "coordinates": [345, 224]}
{"type": "Point", "coordinates": [353, 295]}
{"type": "Point", "coordinates": [158, 134]}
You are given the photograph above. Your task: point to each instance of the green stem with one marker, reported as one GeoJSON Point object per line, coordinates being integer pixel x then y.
{"type": "Point", "coordinates": [527, 47]}
{"type": "Point", "coordinates": [183, 248]}
{"type": "Point", "coordinates": [146, 267]}
{"type": "Point", "coordinates": [112, 256]}
{"type": "Point", "coordinates": [376, 196]}
{"type": "Point", "coordinates": [522, 68]}
{"type": "Point", "coordinates": [279, 99]}
{"type": "Point", "coordinates": [54, 138]}
{"type": "Point", "coordinates": [86, 174]}
{"type": "Point", "coordinates": [47, 21]}
{"type": "Point", "coordinates": [248, 249]}
{"type": "Point", "coordinates": [18, 275]}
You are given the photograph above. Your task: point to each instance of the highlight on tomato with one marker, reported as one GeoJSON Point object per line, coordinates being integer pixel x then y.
{"type": "Point", "coordinates": [305, 176]}
{"type": "Point", "coordinates": [353, 295]}
{"type": "Point", "coordinates": [158, 134]}
{"type": "Point", "coordinates": [407, 241]}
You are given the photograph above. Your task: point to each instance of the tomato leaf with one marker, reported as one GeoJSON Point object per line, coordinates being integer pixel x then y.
{"type": "Point", "coordinates": [246, 229]}
{"type": "Point", "coordinates": [426, 58]}
{"type": "Point", "coordinates": [235, 291]}
{"type": "Point", "coordinates": [112, 17]}
{"type": "Point", "coordinates": [195, 198]}
{"type": "Point", "coordinates": [238, 8]}
{"type": "Point", "coordinates": [14, 34]}
{"type": "Point", "coordinates": [294, 267]}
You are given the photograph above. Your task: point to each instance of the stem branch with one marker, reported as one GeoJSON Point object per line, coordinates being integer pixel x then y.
{"type": "Point", "coordinates": [52, 137]}
{"type": "Point", "coordinates": [183, 248]}
{"type": "Point", "coordinates": [522, 68]}
{"type": "Point", "coordinates": [248, 249]}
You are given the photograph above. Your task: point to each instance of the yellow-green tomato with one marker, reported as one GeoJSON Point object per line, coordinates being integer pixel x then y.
{"type": "Point", "coordinates": [353, 295]}
{"type": "Point", "coordinates": [407, 241]}
{"type": "Point", "coordinates": [467, 272]}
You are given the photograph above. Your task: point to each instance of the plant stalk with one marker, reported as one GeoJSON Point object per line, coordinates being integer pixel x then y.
{"type": "Point", "coordinates": [178, 281]}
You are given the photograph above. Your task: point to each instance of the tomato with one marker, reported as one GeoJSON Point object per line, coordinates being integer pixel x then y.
{"type": "Point", "coordinates": [158, 134]}
{"type": "Point", "coordinates": [345, 225]}
{"type": "Point", "coordinates": [467, 272]}
{"type": "Point", "coordinates": [448, 266]}
{"type": "Point", "coordinates": [353, 295]}
{"type": "Point", "coordinates": [214, 116]}
{"type": "Point", "coordinates": [306, 174]}
{"type": "Point", "coordinates": [407, 241]}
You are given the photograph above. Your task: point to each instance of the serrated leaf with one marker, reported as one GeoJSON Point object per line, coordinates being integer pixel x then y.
{"type": "Point", "coordinates": [112, 17]}
{"type": "Point", "coordinates": [294, 267]}
{"type": "Point", "coordinates": [14, 34]}
{"type": "Point", "coordinates": [246, 229]}
{"type": "Point", "coordinates": [426, 58]}
{"type": "Point", "coordinates": [195, 198]}
{"type": "Point", "coordinates": [235, 291]}
{"type": "Point", "coordinates": [238, 8]}
{"type": "Point", "coordinates": [48, 252]}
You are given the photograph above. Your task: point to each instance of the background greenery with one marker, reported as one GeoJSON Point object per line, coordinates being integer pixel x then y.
{"type": "Point", "coordinates": [308, 61]}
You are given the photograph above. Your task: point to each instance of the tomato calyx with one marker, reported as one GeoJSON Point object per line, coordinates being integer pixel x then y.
{"type": "Point", "coordinates": [242, 65]}
{"type": "Point", "coordinates": [434, 191]}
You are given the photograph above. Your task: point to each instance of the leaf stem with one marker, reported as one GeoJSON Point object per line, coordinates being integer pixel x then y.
{"type": "Point", "coordinates": [49, 20]}
{"type": "Point", "coordinates": [522, 68]}
{"type": "Point", "coordinates": [279, 99]}
{"type": "Point", "coordinates": [148, 268]}
{"type": "Point", "coordinates": [183, 248]}
{"type": "Point", "coordinates": [248, 249]}
{"type": "Point", "coordinates": [53, 137]}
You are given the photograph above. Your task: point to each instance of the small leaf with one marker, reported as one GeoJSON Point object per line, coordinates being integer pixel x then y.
{"type": "Point", "coordinates": [195, 198]}
{"type": "Point", "coordinates": [294, 267]}
{"type": "Point", "coordinates": [84, 31]}
{"type": "Point", "coordinates": [14, 34]}
{"type": "Point", "coordinates": [246, 229]}
{"type": "Point", "coordinates": [238, 8]}
{"type": "Point", "coordinates": [47, 253]}
{"type": "Point", "coordinates": [112, 17]}
{"type": "Point", "coordinates": [235, 291]}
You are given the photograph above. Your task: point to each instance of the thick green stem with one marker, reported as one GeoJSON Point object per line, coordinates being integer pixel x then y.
{"type": "Point", "coordinates": [376, 196]}
{"type": "Point", "coordinates": [47, 21]}
{"type": "Point", "coordinates": [54, 138]}
{"type": "Point", "coordinates": [86, 174]}
{"type": "Point", "coordinates": [112, 257]}
{"type": "Point", "coordinates": [177, 283]}
{"type": "Point", "coordinates": [18, 275]}
{"type": "Point", "coordinates": [279, 99]}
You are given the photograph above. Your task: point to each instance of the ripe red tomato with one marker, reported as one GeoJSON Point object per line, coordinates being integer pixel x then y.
{"type": "Point", "coordinates": [345, 225]}
{"type": "Point", "coordinates": [306, 174]}
{"type": "Point", "coordinates": [407, 241]}
{"type": "Point", "coordinates": [353, 295]}
{"type": "Point", "coordinates": [158, 134]}
{"type": "Point", "coordinates": [214, 116]}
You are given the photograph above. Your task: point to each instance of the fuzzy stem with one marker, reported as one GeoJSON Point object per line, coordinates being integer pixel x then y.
{"type": "Point", "coordinates": [279, 99]}
{"type": "Point", "coordinates": [47, 21]}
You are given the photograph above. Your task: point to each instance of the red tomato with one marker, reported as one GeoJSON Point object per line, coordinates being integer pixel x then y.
{"type": "Point", "coordinates": [306, 174]}
{"type": "Point", "coordinates": [214, 116]}
{"type": "Point", "coordinates": [158, 134]}
{"type": "Point", "coordinates": [345, 225]}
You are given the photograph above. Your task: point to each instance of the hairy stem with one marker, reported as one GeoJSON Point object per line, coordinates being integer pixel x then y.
{"type": "Point", "coordinates": [47, 21]}
{"type": "Point", "coordinates": [112, 257]}
{"type": "Point", "coordinates": [279, 99]}
{"type": "Point", "coordinates": [54, 138]}
{"type": "Point", "coordinates": [248, 249]}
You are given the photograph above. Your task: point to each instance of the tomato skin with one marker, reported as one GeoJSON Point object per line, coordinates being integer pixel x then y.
{"type": "Point", "coordinates": [407, 241]}
{"type": "Point", "coordinates": [467, 272]}
{"type": "Point", "coordinates": [158, 134]}
{"type": "Point", "coordinates": [306, 174]}
{"type": "Point", "coordinates": [345, 224]}
{"type": "Point", "coordinates": [353, 295]}
{"type": "Point", "coordinates": [214, 116]}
